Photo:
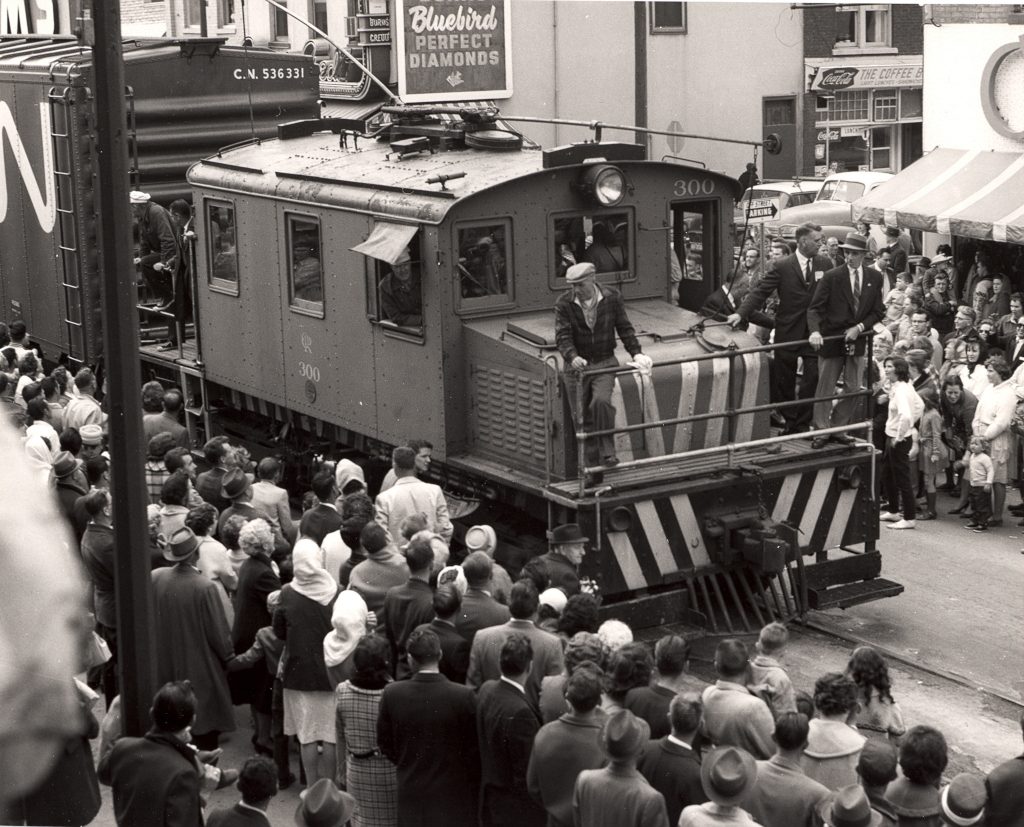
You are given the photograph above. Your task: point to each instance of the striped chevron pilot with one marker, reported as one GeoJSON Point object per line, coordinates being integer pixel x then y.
{"type": "Point", "coordinates": [673, 537]}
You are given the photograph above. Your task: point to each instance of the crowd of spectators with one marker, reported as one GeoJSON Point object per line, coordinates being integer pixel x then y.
{"type": "Point", "coordinates": [424, 683]}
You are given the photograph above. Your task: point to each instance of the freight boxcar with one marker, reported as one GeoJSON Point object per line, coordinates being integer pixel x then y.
{"type": "Point", "coordinates": [185, 99]}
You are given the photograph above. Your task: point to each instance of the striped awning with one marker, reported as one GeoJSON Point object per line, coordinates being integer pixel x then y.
{"type": "Point", "coordinates": [969, 193]}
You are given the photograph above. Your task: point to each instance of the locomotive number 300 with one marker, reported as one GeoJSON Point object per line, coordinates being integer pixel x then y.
{"type": "Point", "coordinates": [309, 371]}
{"type": "Point", "coordinates": [694, 187]}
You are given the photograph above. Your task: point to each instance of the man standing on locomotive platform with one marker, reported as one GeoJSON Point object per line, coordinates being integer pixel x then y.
{"type": "Point", "coordinates": [587, 317]}
{"type": "Point", "coordinates": [794, 277]}
{"type": "Point", "coordinates": [158, 247]}
{"type": "Point", "coordinates": [847, 300]}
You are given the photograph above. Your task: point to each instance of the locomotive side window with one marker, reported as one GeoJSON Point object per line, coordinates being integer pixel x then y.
{"type": "Point", "coordinates": [601, 239]}
{"type": "Point", "coordinates": [483, 269]}
{"type": "Point", "coordinates": [222, 263]}
{"type": "Point", "coordinates": [398, 289]}
{"type": "Point", "coordinates": [305, 275]}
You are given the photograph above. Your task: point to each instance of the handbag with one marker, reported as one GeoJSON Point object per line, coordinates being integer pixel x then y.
{"type": "Point", "coordinates": [96, 652]}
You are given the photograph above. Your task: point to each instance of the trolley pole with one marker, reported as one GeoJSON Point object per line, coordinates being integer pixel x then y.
{"type": "Point", "coordinates": [121, 355]}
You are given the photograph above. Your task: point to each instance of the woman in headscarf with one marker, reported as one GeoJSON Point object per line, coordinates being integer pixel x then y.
{"type": "Point", "coordinates": [256, 581]}
{"type": "Point", "coordinates": [302, 620]}
{"type": "Point", "coordinates": [40, 460]}
{"type": "Point", "coordinates": [362, 770]}
{"type": "Point", "coordinates": [350, 620]}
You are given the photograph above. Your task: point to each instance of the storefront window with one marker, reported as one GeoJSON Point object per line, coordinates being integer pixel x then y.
{"type": "Point", "coordinates": [849, 106]}
{"type": "Point", "coordinates": [911, 103]}
{"type": "Point", "coordinates": [881, 148]}
{"type": "Point", "coordinates": [885, 105]}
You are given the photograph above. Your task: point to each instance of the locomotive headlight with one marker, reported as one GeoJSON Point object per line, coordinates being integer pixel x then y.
{"type": "Point", "coordinates": [603, 183]}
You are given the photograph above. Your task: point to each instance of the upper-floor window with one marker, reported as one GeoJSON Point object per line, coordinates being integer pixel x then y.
{"type": "Point", "coordinates": [305, 273]}
{"type": "Point", "coordinates": [667, 17]}
{"type": "Point", "coordinates": [603, 239]}
{"type": "Point", "coordinates": [222, 259]}
{"type": "Point", "coordinates": [484, 267]}
{"type": "Point", "coordinates": [863, 27]}
{"type": "Point", "coordinates": [319, 15]}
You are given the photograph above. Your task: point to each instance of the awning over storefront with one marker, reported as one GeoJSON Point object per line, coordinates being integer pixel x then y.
{"type": "Point", "coordinates": [386, 241]}
{"type": "Point", "coordinates": [971, 193]}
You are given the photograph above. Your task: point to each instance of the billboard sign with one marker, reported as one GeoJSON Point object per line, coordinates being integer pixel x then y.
{"type": "Point", "coordinates": [41, 17]}
{"type": "Point", "coordinates": [453, 50]}
{"type": "Point", "coordinates": [832, 77]}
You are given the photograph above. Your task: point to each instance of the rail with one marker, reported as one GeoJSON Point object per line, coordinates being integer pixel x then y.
{"type": "Point", "coordinates": [731, 413]}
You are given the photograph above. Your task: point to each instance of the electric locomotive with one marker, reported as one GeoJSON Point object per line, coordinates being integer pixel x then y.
{"type": "Point", "coordinates": [354, 290]}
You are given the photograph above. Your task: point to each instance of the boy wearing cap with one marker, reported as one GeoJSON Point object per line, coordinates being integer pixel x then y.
{"type": "Point", "coordinates": [618, 795]}
{"type": "Point", "coordinates": [587, 318]}
{"type": "Point", "coordinates": [848, 301]}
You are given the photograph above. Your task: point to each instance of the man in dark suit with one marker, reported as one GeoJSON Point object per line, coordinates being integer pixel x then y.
{"type": "Point", "coordinates": [847, 301]}
{"type": "Point", "coordinates": [479, 608]}
{"type": "Point", "coordinates": [794, 277]}
{"type": "Point", "coordinates": [410, 605]}
{"type": "Point", "coordinates": [1006, 791]}
{"type": "Point", "coordinates": [426, 727]}
{"type": "Point", "coordinates": [670, 764]}
{"type": "Point", "coordinates": [1015, 347]}
{"type": "Point", "coordinates": [506, 724]}
{"type": "Point", "coordinates": [485, 653]}
{"type": "Point", "coordinates": [454, 647]}
{"type": "Point", "coordinates": [237, 491]}
{"type": "Point", "coordinates": [324, 518]}
{"type": "Point", "coordinates": [257, 782]}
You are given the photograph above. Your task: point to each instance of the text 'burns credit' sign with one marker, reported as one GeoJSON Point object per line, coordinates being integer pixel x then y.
{"type": "Point", "coordinates": [453, 50]}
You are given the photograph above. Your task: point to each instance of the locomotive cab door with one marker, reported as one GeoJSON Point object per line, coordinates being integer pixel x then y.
{"type": "Point", "coordinates": [696, 245]}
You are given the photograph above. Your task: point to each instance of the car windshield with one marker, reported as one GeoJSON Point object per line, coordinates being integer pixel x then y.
{"type": "Point", "coordinates": [848, 191]}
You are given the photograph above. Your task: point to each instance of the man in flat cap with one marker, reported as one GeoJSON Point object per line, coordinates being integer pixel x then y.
{"type": "Point", "coordinates": [587, 317]}
{"type": "Point", "coordinates": [158, 247]}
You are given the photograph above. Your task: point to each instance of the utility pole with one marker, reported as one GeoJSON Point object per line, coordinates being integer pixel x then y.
{"type": "Point", "coordinates": [121, 356]}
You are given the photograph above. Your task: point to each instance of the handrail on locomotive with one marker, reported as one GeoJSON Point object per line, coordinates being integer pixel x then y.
{"type": "Point", "coordinates": [730, 447]}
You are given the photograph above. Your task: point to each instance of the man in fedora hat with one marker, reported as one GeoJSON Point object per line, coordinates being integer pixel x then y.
{"type": "Point", "coordinates": [728, 775]}
{"type": "Point", "coordinates": [963, 801]}
{"type": "Point", "coordinates": [794, 277]}
{"type": "Point", "coordinates": [849, 807]}
{"type": "Point", "coordinates": [323, 805]}
{"type": "Point", "coordinates": [236, 488]}
{"type": "Point", "coordinates": [847, 301]}
{"type": "Point", "coordinates": [587, 318]}
{"type": "Point", "coordinates": [618, 794]}
{"type": "Point", "coordinates": [193, 639]}
{"type": "Point", "coordinates": [568, 548]}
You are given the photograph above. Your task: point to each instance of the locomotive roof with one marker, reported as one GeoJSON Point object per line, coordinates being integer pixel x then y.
{"type": "Point", "coordinates": [314, 169]}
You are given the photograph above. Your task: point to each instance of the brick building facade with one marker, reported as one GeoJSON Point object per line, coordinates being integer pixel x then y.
{"type": "Point", "coordinates": [862, 107]}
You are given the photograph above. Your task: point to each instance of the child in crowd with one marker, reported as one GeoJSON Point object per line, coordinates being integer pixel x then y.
{"type": "Point", "coordinates": [768, 679]}
{"type": "Point", "coordinates": [930, 460]}
{"type": "Point", "coordinates": [980, 475]}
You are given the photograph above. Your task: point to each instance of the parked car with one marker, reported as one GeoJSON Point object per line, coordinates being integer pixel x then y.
{"type": "Point", "coordinates": [783, 194]}
{"type": "Point", "coordinates": [832, 208]}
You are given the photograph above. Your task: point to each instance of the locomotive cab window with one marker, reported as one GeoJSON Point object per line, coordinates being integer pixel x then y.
{"type": "Point", "coordinates": [695, 242]}
{"type": "Point", "coordinates": [483, 266]}
{"type": "Point", "coordinates": [603, 239]}
{"type": "Point", "coordinates": [305, 273]}
{"type": "Point", "coordinates": [222, 260]}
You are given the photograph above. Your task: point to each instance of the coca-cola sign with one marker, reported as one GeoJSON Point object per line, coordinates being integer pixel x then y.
{"type": "Point", "coordinates": [840, 77]}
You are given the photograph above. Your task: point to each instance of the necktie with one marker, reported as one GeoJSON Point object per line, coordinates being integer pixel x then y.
{"type": "Point", "coordinates": [807, 273]}
{"type": "Point", "coordinates": [856, 286]}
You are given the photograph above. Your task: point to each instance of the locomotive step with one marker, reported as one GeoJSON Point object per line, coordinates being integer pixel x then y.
{"type": "Point", "coordinates": [842, 597]}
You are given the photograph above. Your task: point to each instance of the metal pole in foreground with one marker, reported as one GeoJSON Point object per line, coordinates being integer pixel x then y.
{"type": "Point", "coordinates": [121, 355]}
